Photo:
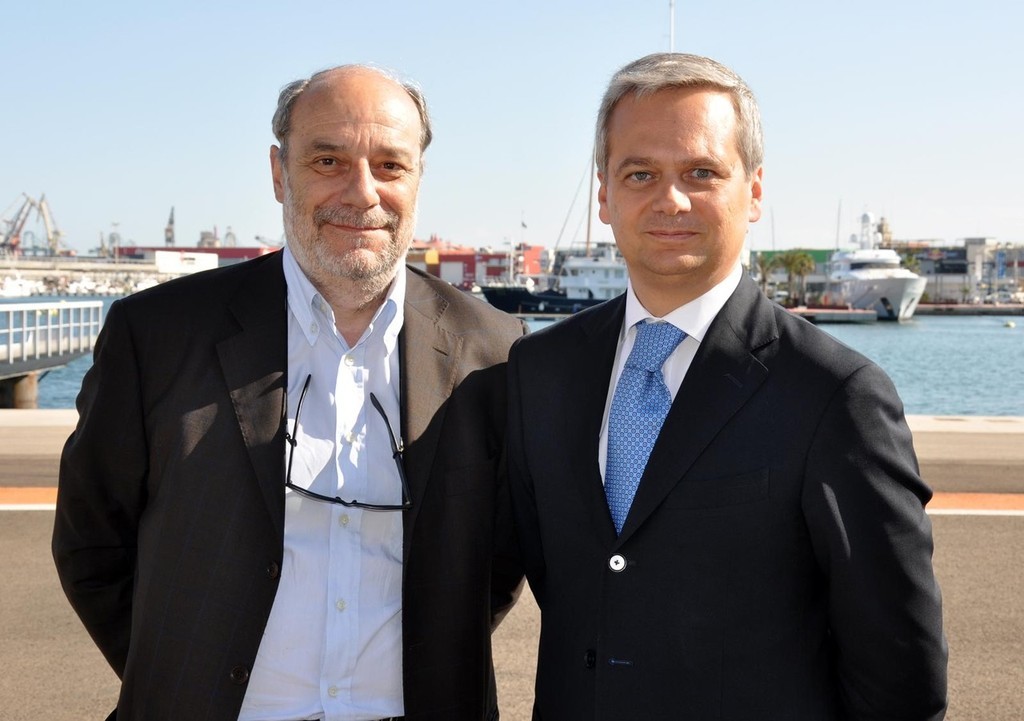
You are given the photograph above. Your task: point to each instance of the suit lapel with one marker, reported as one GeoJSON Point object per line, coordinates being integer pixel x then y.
{"type": "Point", "coordinates": [255, 365]}
{"type": "Point", "coordinates": [591, 367]}
{"type": "Point", "coordinates": [427, 348]}
{"type": "Point", "coordinates": [722, 378]}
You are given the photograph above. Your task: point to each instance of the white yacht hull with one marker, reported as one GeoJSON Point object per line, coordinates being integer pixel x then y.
{"type": "Point", "coordinates": [891, 298]}
{"type": "Point", "coordinates": [873, 278]}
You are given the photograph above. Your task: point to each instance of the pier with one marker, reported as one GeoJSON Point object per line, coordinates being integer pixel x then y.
{"type": "Point", "coordinates": [62, 274]}
{"type": "Point", "coordinates": [834, 315]}
{"type": "Point", "coordinates": [91, 275]}
{"type": "Point", "coordinates": [37, 337]}
{"type": "Point", "coordinates": [970, 309]}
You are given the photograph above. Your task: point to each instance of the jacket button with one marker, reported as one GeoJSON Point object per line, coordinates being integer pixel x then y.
{"type": "Point", "coordinates": [273, 570]}
{"type": "Point", "coordinates": [617, 563]}
{"type": "Point", "coordinates": [590, 658]}
{"type": "Point", "coordinates": [239, 675]}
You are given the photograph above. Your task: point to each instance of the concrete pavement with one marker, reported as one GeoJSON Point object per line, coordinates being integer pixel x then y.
{"type": "Point", "coordinates": [52, 670]}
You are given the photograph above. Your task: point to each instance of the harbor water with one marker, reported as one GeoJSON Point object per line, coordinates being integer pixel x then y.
{"type": "Point", "coordinates": [947, 366]}
{"type": "Point", "coordinates": [941, 365]}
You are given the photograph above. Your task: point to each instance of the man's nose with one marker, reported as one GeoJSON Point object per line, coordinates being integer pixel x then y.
{"type": "Point", "coordinates": [672, 198]}
{"type": "Point", "coordinates": [359, 187]}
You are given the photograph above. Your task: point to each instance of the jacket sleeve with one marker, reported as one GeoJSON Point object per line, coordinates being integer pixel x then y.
{"type": "Point", "coordinates": [507, 569]}
{"type": "Point", "coordinates": [522, 501]}
{"type": "Point", "coordinates": [101, 493]}
{"type": "Point", "coordinates": [864, 505]}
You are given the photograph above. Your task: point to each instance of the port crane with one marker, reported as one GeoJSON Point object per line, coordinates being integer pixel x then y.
{"type": "Point", "coordinates": [12, 235]}
{"type": "Point", "coordinates": [11, 242]}
{"type": "Point", "coordinates": [53, 234]}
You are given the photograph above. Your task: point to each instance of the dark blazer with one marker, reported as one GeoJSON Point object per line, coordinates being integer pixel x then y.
{"type": "Point", "coordinates": [170, 512]}
{"type": "Point", "coordinates": [777, 557]}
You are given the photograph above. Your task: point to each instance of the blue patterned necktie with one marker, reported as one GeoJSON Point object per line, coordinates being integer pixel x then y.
{"type": "Point", "coordinates": [639, 407]}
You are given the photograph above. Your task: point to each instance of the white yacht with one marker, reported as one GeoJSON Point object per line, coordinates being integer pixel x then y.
{"type": "Point", "coordinates": [873, 278]}
{"type": "Point", "coordinates": [581, 281]}
{"type": "Point", "coordinates": [594, 277]}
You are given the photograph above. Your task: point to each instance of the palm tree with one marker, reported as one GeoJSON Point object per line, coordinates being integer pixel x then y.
{"type": "Point", "coordinates": [804, 266]}
{"type": "Point", "coordinates": [764, 266]}
{"type": "Point", "coordinates": [797, 264]}
{"type": "Point", "coordinates": [911, 262]}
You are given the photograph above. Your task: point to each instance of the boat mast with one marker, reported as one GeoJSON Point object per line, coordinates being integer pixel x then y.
{"type": "Point", "coordinates": [590, 207]}
{"type": "Point", "coordinates": [671, 26]}
{"type": "Point", "coordinates": [590, 200]}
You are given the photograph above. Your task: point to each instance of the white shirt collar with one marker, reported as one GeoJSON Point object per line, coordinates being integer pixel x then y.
{"type": "Point", "coordinates": [308, 305]}
{"type": "Point", "coordinates": [694, 317]}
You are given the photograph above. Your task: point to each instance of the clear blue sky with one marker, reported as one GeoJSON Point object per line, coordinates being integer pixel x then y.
{"type": "Point", "coordinates": [119, 110]}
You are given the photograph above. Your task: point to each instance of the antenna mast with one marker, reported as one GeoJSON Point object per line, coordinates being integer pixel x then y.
{"type": "Point", "coordinates": [839, 221]}
{"type": "Point", "coordinates": [671, 26]}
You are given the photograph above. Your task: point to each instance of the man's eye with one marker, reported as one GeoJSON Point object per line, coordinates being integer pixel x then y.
{"type": "Point", "coordinates": [327, 162]}
{"type": "Point", "coordinates": [703, 174]}
{"type": "Point", "coordinates": [641, 176]}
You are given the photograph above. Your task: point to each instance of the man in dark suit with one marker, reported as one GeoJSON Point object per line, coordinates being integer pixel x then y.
{"type": "Point", "coordinates": [239, 524]}
{"type": "Point", "coordinates": [771, 557]}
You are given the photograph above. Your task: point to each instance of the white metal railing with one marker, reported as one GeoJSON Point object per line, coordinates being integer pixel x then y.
{"type": "Point", "coordinates": [30, 331]}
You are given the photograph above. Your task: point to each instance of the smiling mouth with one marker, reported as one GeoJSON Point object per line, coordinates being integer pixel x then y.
{"type": "Point", "coordinates": [672, 232]}
{"type": "Point", "coordinates": [356, 228]}
{"type": "Point", "coordinates": [347, 220]}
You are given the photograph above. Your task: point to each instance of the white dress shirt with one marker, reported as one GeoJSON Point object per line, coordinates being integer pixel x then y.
{"type": "Point", "coordinates": [692, 318]}
{"type": "Point", "coordinates": [332, 649]}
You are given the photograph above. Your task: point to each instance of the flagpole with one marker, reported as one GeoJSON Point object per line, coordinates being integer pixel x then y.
{"type": "Point", "coordinates": [511, 246]}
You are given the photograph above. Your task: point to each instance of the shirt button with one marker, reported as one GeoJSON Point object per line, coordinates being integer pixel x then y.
{"type": "Point", "coordinates": [343, 521]}
{"type": "Point", "coordinates": [340, 604]}
{"type": "Point", "coordinates": [273, 570]}
{"type": "Point", "coordinates": [332, 691]}
{"type": "Point", "coordinates": [617, 563]}
{"type": "Point", "coordinates": [313, 327]}
{"type": "Point", "coordinates": [239, 675]}
{"type": "Point", "coordinates": [349, 361]}
{"type": "Point", "coordinates": [590, 658]}
{"type": "Point", "coordinates": [350, 437]}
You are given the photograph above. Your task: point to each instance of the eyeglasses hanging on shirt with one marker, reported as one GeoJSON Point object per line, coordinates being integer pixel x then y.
{"type": "Point", "coordinates": [396, 453]}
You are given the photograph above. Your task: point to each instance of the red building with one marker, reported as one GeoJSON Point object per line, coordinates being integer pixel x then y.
{"type": "Point", "coordinates": [460, 265]}
{"type": "Point", "coordinates": [464, 267]}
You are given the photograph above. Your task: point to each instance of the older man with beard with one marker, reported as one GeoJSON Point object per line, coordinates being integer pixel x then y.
{"type": "Point", "coordinates": [282, 498]}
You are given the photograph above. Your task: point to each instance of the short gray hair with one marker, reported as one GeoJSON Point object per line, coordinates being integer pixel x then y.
{"type": "Point", "coordinates": [662, 71]}
{"type": "Point", "coordinates": [282, 122]}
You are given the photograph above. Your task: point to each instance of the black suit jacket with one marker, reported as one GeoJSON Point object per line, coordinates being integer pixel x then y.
{"type": "Point", "coordinates": [777, 554]}
{"type": "Point", "coordinates": [170, 512]}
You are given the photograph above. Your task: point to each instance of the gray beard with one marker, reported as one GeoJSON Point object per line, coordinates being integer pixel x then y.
{"type": "Point", "coordinates": [362, 280]}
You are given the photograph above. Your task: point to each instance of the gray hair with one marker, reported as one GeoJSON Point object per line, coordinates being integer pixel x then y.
{"type": "Point", "coordinates": [662, 71]}
{"type": "Point", "coordinates": [282, 122]}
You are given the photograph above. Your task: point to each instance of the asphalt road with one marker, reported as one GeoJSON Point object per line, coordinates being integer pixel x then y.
{"type": "Point", "coordinates": [53, 672]}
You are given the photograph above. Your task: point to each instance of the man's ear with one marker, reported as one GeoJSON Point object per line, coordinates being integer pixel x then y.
{"type": "Point", "coordinates": [602, 200]}
{"type": "Point", "coordinates": [277, 172]}
{"type": "Point", "coordinates": [755, 195]}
